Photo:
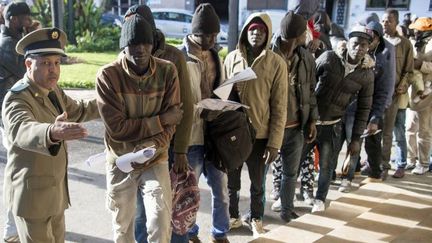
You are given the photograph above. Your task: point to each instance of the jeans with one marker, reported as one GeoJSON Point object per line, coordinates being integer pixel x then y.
{"type": "Point", "coordinates": [401, 143]}
{"type": "Point", "coordinates": [140, 221]}
{"type": "Point", "coordinates": [217, 181]}
{"type": "Point", "coordinates": [291, 153]}
{"type": "Point", "coordinates": [327, 141]}
{"type": "Point", "coordinates": [257, 171]}
{"type": "Point", "coordinates": [154, 185]}
{"type": "Point", "coordinates": [388, 125]}
{"type": "Point", "coordinates": [373, 149]}
{"type": "Point", "coordinates": [346, 135]}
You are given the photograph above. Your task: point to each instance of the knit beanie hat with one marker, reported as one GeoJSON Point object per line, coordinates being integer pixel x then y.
{"type": "Point", "coordinates": [292, 25]}
{"type": "Point", "coordinates": [142, 10]}
{"type": "Point", "coordinates": [205, 20]}
{"type": "Point", "coordinates": [16, 9]}
{"type": "Point", "coordinates": [136, 30]}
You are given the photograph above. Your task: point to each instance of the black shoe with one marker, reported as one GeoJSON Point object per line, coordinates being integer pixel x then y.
{"type": "Point", "coordinates": [287, 217]}
{"type": "Point", "coordinates": [384, 174]}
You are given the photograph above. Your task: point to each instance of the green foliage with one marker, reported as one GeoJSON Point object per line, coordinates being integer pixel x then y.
{"type": "Point", "coordinates": [174, 41]}
{"type": "Point", "coordinates": [41, 11]}
{"type": "Point", "coordinates": [103, 39]}
{"type": "Point", "coordinates": [223, 53]}
{"type": "Point", "coordinates": [87, 17]}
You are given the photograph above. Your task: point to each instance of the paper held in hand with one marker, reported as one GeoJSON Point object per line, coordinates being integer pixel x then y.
{"type": "Point", "coordinates": [124, 162]}
{"type": "Point", "coordinates": [224, 90]}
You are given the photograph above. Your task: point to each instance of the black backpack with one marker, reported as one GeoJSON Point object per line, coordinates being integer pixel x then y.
{"type": "Point", "coordinates": [229, 140]}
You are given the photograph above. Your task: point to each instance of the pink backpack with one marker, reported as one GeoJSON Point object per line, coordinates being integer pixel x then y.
{"type": "Point", "coordinates": [186, 198]}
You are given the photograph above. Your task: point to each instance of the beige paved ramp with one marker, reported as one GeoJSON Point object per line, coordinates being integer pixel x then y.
{"type": "Point", "coordinates": [374, 213]}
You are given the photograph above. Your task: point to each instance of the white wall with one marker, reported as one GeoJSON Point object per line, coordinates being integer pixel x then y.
{"type": "Point", "coordinates": [357, 9]}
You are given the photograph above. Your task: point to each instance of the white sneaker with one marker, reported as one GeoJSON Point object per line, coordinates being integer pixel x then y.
{"type": "Point", "coordinates": [318, 206]}
{"type": "Point", "coordinates": [418, 170]}
{"type": "Point", "coordinates": [345, 186]}
{"type": "Point", "coordinates": [308, 198]}
{"type": "Point", "coordinates": [257, 228]}
{"type": "Point", "coordinates": [410, 166]}
{"type": "Point", "coordinates": [277, 206]}
{"type": "Point", "coordinates": [235, 223]}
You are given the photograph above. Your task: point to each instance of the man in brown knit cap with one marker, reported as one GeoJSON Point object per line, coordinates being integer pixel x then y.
{"type": "Point", "coordinates": [205, 72]}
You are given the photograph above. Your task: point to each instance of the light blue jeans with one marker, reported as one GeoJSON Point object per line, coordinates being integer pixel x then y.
{"type": "Point", "coordinates": [399, 136]}
{"type": "Point", "coordinates": [217, 181]}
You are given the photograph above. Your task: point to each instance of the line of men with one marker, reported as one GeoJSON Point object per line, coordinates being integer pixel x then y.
{"type": "Point", "coordinates": [149, 94]}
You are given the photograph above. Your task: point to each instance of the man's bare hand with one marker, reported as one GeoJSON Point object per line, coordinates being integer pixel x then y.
{"type": "Point", "coordinates": [313, 45]}
{"type": "Point", "coordinates": [172, 116]}
{"type": "Point", "coordinates": [181, 163]}
{"type": "Point", "coordinates": [417, 63]}
{"type": "Point", "coordinates": [63, 130]}
{"type": "Point", "coordinates": [270, 155]}
{"type": "Point", "coordinates": [372, 128]}
{"type": "Point", "coordinates": [402, 89]}
{"type": "Point", "coordinates": [312, 132]}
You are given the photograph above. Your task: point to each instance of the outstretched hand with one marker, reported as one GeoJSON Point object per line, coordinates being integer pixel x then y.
{"type": "Point", "coordinates": [64, 130]}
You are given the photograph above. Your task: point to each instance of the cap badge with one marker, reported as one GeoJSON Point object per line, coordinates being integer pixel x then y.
{"type": "Point", "coordinates": [54, 35]}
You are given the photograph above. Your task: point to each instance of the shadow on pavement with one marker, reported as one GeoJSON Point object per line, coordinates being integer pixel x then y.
{"type": "Point", "coordinates": [95, 179]}
{"type": "Point", "coordinates": [76, 237]}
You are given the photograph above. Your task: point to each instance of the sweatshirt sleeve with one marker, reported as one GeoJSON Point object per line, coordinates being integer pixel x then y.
{"type": "Point", "coordinates": [278, 103]}
{"type": "Point", "coordinates": [183, 131]}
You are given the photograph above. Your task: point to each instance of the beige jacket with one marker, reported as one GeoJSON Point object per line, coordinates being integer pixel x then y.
{"type": "Point", "coordinates": [267, 94]}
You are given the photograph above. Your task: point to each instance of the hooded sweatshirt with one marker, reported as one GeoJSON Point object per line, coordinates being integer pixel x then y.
{"type": "Point", "coordinates": [267, 94]}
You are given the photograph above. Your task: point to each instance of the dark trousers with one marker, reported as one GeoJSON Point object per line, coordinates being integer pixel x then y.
{"type": "Point", "coordinates": [257, 170]}
{"type": "Point", "coordinates": [373, 149]}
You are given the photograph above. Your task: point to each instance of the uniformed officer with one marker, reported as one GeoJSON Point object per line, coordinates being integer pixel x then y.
{"type": "Point", "coordinates": [38, 117]}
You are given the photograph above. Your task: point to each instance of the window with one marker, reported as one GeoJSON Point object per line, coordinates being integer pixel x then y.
{"type": "Point", "coordinates": [159, 15]}
{"type": "Point", "coordinates": [175, 17]}
{"type": "Point", "coordinates": [188, 18]}
{"type": "Point", "coordinates": [383, 4]}
{"type": "Point", "coordinates": [430, 5]}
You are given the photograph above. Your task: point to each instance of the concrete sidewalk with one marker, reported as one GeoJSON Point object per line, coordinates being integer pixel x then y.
{"type": "Point", "coordinates": [87, 220]}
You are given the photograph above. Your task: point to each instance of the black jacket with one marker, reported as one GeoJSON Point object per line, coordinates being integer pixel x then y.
{"type": "Point", "coordinates": [306, 83]}
{"type": "Point", "coordinates": [334, 90]}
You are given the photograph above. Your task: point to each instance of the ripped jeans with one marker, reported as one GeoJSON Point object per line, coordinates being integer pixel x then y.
{"type": "Point", "coordinates": [154, 185]}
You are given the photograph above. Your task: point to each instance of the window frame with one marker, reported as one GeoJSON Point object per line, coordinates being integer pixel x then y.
{"type": "Point", "coordinates": [387, 5]}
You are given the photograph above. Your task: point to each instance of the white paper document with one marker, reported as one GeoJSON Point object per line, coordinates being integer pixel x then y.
{"type": "Point", "coordinates": [124, 162]}
{"type": "Point", "coordinates": [220, 105]}
{"type": "Point", "coordinates": [224, 90]}
{"type": "Point", "coordinates": [370, 134]}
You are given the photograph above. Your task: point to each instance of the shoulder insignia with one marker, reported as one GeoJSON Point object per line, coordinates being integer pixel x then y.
{"type": "Point", "coordinates": [19, 86]}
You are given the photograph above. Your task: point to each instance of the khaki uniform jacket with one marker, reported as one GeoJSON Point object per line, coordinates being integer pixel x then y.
{"type": "Point", "coordinates": [267, 94]}
{"type": "Point", "coordinates": [35, 184]}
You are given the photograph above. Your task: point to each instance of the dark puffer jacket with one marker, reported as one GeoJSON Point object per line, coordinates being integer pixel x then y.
{"type": "Point", "coordinates": [306, 83]}
{"type": "Point", "coordinates": [334, 90]}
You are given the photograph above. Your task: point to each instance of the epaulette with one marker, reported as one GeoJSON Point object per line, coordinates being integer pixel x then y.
{"type": "Point", "coordinates": [19, 86]}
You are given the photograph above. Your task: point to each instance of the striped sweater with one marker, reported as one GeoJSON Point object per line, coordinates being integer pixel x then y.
{"type": "Point", "coordinates": [130, 106]}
